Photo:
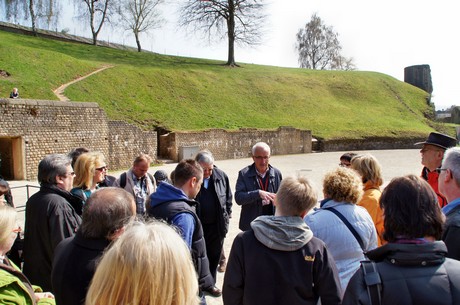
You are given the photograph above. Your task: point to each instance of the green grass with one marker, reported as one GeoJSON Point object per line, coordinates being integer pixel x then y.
{"type": "Point", "coordinates": [180, 93]}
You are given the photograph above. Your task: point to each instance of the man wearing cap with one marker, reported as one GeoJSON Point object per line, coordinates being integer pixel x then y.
{"type": "Point", "coordinates": [432, 153]}
{"type": "Point", "coordinates": [161, 176]}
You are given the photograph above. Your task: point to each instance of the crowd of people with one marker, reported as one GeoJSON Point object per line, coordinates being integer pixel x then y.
{"type": "Point", "coordinates": [91, 238]}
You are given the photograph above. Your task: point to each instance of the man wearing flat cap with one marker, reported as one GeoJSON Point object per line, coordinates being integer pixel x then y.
{"type": "Point", "coordinates": [432, 153]}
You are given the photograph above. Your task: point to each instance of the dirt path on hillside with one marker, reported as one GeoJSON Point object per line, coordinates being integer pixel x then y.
{"type": "Point", "coordinates": [59, 92]}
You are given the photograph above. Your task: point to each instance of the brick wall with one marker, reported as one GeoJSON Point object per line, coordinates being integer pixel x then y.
{"type": "Point", "coordinates": [31, 129]}
{"type": "Point", "coordinates": [45, 127]}
{"type": "Point", "coordinates": [369, 144]}
{"type": "Point", "coordinates": [237, 144]}
{"type": "Point", "coordinates": [128, 141]}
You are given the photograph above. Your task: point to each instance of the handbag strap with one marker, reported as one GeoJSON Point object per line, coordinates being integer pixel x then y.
{"type": "Point", "coordinates": [348, 224]}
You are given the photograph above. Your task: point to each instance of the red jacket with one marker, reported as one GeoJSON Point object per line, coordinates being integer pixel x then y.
{"type": "Point", "coordinates": [432, 179]}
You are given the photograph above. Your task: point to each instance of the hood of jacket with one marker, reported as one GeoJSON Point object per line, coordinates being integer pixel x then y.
{"type": "Point", "coordinates": [166, 192]}
{"type": "Point", "coordinates": [284, 233]}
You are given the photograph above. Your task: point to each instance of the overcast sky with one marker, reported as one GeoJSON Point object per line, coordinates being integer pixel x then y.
{"type": "Point", "coordinates": [384, 36]}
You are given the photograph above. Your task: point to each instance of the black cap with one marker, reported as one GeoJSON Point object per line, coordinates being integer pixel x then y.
{"type": "Point", "coordinates": [439, 140]}
{"type": "Point", "coordinates": [161, 175]}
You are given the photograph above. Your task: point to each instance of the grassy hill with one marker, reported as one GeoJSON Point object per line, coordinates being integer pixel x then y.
{"type": "Point", "coordinates": [180, 93]}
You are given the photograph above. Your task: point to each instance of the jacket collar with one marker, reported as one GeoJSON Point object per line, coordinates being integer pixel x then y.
{"type": "Point", "coordinates": [252, 171]}
{"type": "Point", "coordinates": [93, 244]}
{"type": "Point", "coordinates": [432, 253]}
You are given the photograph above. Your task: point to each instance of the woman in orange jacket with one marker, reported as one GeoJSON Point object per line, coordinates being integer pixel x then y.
{"type": "Point", "coordinates": [371, 174]}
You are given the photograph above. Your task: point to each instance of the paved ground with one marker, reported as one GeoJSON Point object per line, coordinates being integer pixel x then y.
{"type": "Point", "coordinates": [314, 166]}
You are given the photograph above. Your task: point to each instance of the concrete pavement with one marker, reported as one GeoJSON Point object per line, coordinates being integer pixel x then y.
{"type": "Point", "coordinates": [314, 166]}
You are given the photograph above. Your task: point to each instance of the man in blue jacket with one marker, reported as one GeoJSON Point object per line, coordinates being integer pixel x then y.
{"type": "Point", "coordinates": [256, 186]}
{"type": "Point", "coordinates": [175, 204]}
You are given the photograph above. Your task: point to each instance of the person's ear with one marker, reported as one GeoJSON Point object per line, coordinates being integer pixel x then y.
{"type": "Point", "coordinates": [59, 179]}
{"type": "Point", "coordinates": [117, 233]}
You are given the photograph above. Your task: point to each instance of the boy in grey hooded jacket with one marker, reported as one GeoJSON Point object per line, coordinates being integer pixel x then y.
{"type": "Point", "coordinates": [279, 261]}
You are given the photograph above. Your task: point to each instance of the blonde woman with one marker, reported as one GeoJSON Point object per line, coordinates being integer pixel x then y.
{"type": "Point", "coordinates": [370, 171]}
{"type": "Point", "coordinates": [90, 170]}
{"type": "Point", "coordinates": [342, 189]}
{"type": "Point", "coordinates": [15, 288]}
{"type": "Point", "coordinates": [148, 265]}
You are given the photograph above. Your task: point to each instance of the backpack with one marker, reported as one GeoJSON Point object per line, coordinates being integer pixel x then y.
{"type": "Point", "coordinates": [373, 282]}
{"type": "Point", "coordinates": [123, 179]}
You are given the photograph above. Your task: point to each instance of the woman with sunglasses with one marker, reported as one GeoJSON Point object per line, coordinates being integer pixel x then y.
{"type": "Point", "coordinates": [90, 170]}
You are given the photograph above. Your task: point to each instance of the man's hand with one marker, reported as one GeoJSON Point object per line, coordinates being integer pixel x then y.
{"type": "Point", "coordinates": [266, 197]}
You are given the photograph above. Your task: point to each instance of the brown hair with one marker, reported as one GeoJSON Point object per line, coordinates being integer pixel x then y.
{"type": "Point", "coordinates": [411, 209]}
{"type": "Point", "coordinates": [185, 170]}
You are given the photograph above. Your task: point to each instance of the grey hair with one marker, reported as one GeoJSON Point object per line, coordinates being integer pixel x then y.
{"type": "Point", "coordinates": [452, 162]}
{"type": "Point", "coordinates": [51, 166]}
{"type": "Point", "coordinates": [261, 145]}
{"type": "Point", "coordinates": [204, 156]}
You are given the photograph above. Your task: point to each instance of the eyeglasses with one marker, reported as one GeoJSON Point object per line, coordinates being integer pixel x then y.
{"type": "Point", "coordinates": [262, 157]}
{"type": "Point", "coordinates": [102, 168]}
{"type": "Point", "coordinates": [439, 170]}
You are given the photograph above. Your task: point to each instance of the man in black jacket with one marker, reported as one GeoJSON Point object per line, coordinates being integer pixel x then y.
{"type": "Point", "coordinates": [279, 261]}
{"type": "Point", "coordinates": [215, 198]}
{"type": "Point", "coordinates": [104, 218]}
{"type": "Point", "coordinates": [50, 218]}
{"type": "Point", "coordinates": [449, 186]}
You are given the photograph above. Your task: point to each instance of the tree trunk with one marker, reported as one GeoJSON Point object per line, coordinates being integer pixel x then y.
{"type": "Point", "coordinates": [93, 31]}
{"type": "Point", "coordinates": [32, 16]}
{"type": "Point", "coordinates": [231, 34]}
{"type": "Point", "coordinates": [138, 42]}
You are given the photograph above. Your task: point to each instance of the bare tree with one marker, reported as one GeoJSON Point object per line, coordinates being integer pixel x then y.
{"type": "Point", "coordinates": [343, 63]}
{"type": "Point", "coordinates": [40, 12]}
{"type": "Point", "coordinates": [97, 12]}
{"type": "Point", "coordinates": [239, 21]}
{"type": "Point", "coordinates": [140, 16]}
{"type": "Point", "coordinates": [319, 47]}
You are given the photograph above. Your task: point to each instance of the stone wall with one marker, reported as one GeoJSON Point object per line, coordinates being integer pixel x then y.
{"type": "Point", "coordinates": [235, 144]}
{"type": "Point", "coordinates": [31, 129]}
{"type": "Point", "coordinates": [368, 144]}
{"type": "Point", "coordinates": [128, 141]}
